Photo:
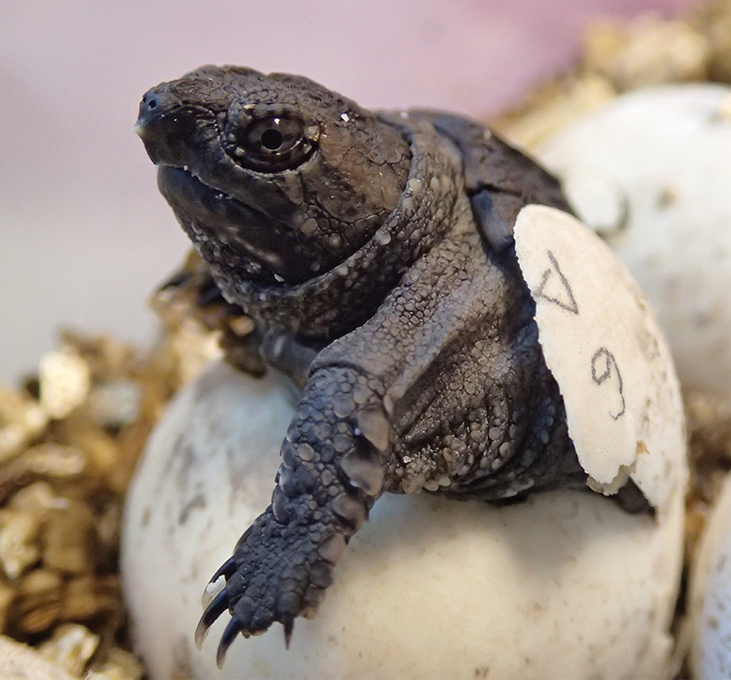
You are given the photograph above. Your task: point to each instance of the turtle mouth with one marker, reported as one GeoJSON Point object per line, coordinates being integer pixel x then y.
{"type": "Point", "coordinates": [259, 245]}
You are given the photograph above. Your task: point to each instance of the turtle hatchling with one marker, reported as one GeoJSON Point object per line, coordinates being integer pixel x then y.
{"type": "Point", "coordinates": [452, 327]}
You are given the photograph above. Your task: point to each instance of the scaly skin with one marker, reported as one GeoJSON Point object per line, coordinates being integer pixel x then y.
{"type": "Point", "coordinates": [387, 242]}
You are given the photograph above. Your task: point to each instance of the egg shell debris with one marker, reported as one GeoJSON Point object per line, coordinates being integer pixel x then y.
{"type": "Point", "coordinates": [607, 353]}
{"type": "Point", "coordinates": [563, 585]}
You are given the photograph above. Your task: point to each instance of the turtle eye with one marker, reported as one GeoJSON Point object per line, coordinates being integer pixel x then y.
{"type": "Point", "coordinates": [273, 143]}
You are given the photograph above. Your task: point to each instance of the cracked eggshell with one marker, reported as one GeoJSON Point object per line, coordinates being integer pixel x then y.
{"type": "Point", "coordinates": [651, 172]}
{"type": "Point", "coordinates": [607, 353]}
{"type": "Point", "coordinates": [710, 594]}
{"type": "Point", "coordinates": [563, 585]}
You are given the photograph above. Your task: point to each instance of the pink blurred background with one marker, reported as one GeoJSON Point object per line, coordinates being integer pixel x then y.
{"type": "Point", "coordinates": [84, 236]}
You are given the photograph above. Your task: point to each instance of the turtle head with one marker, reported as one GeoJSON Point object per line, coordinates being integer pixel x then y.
{"type": "Point", "coordinates": [272, 176]}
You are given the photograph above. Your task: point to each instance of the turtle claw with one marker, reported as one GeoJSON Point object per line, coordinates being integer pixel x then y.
{"type": "Point", "coordinates": [288, 628]}
{"type": "Point", "coordinates": [233, 628]}
{"type": "Point", "coordinates": [217, 606]}
{"type": "Point", "coordinates": [201, 633]}
{"type": "Point", "coordinates": [227, 569]}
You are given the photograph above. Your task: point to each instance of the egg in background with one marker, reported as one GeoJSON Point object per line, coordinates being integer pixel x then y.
{"type": "Point", "coordinates": [650, 171]}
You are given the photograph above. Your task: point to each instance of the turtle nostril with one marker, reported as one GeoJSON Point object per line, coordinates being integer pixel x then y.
{"type": "Point", "coordinates": [153, 103]}
{"type": "Point", "coordinates": [151, 108]}
{"type": "Point", "coordinates": [149, 102]}
{"type": "Point", "coordinates": [148, 106]}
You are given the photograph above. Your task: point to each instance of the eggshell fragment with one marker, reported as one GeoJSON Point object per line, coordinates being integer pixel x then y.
{"type": "Point", "coordinates": [606, 351]}
{"type": "Point", "coordinates": [651, 169]}
{"type": "Point", "coordinates": [563, 585]}
{"type": "Point", "coordinates": [710, 594]}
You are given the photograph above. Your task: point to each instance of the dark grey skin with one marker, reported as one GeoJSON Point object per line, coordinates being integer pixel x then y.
{"type": "Point", "coordinates": [375, 254]}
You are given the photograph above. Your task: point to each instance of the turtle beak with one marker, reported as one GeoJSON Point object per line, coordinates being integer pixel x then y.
{"type": "Point", "coordinates": [150, 123]}
{"type": "Point", "coordinates": [150, 110]}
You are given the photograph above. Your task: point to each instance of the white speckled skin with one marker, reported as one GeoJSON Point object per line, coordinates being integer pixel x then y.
{"type": "Point", "coordinates": [710, 594]}
{"type": "Point", "coordinates": [662, 155]}
{"type": "Point", "coordinates": [563, 585]}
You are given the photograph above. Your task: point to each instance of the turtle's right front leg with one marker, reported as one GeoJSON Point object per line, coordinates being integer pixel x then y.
{"type": "Point", "coordinates": [332, 472]}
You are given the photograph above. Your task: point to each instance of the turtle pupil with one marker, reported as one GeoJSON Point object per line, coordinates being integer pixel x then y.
{"type": "Point", "coordinates": [271, 139]}
{"type": "Point", "coordinates": [269, 143]}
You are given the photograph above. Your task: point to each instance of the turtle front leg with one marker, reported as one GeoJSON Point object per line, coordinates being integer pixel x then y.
{"type": "Point", "coordinates": [332, 472]}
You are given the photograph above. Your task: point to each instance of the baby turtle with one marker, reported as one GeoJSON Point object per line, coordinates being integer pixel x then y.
{"type": "Point", "coordinates": [376, 254]}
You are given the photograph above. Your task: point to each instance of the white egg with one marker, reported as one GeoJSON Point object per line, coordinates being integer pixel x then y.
{"type": "Point", "coordinates": [710, 594]}
{"type": "Point", "coordinates": [651, 171]}
{"type": "Point", "coordinates": [563, 585]}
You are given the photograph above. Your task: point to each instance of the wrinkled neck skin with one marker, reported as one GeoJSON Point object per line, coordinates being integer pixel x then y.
{"type": "Point", "coordinates": [332, 304]}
